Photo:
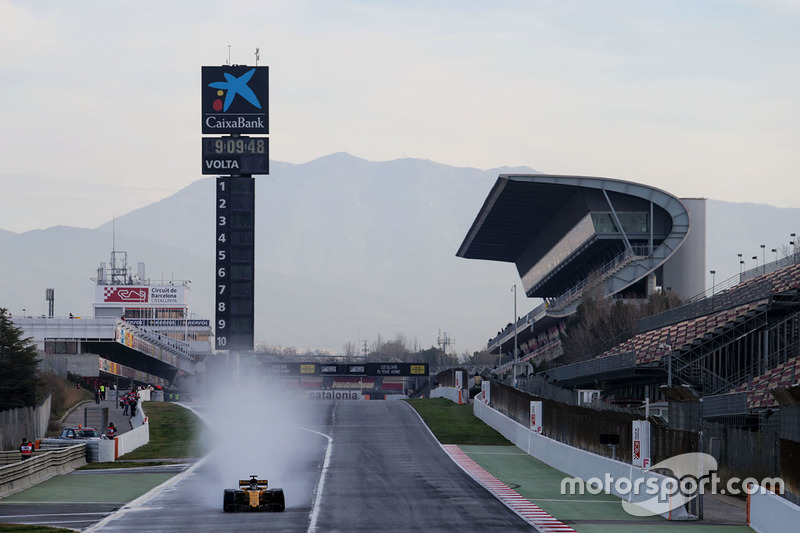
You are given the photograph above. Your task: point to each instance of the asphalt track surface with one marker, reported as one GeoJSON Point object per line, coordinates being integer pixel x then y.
{"type": "Point", "coordinates": [344, 466]}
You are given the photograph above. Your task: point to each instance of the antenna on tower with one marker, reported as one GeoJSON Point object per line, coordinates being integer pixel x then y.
{"type": "Point", "coordinates": [443, 340]}
{"type": "Point", "coordinates": [229, 56]}
{"type": "Point", "coordinates": [258, 55]}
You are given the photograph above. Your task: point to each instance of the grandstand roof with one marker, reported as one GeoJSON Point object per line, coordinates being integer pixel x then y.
{"type": "Point", "coordinates": [551, 227]}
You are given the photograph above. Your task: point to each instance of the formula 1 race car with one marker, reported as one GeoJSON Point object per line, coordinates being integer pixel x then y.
{"type": "Point", "coordinates": [253, 495]}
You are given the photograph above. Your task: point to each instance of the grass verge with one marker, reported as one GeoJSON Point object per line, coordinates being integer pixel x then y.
{"type": "Point", "coordinates": [23, 528]}
{"type": "Point", "coordinates": [174, 434]}
{"type": "Point", "coordinates": [456, 424]}
{"type": "Point", "coordinates": [124, 464]}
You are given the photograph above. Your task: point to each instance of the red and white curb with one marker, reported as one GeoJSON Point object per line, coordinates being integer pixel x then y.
{"type": "Point", "coordinates": [531, 512]}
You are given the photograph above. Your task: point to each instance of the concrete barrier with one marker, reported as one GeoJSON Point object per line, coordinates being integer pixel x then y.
{"type": "Point", "coordinates": [136, 437]}
{"type": "Point", "coordinates": [44, 465]}
{"type": "Point", "coordinates": [62, 457]}
{"type": "Point", "coordinates": [769, 513]}
{"type": "Point", "coordinates": [575, 462]}
{"type": "Point", "coordinates": [452, 394]}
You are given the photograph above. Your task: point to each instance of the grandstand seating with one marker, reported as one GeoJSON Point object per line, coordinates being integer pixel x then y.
{"type": "Point", "coordinates": [311, 382]}
{"type": "Point", "coordinates": [682, 335]}
{"type": "Point", "coordinates": [349, 382]}
{"type": "Point", "coordinates": [392, 384]}
{"type": "Point", "coordinates": [783, 375]}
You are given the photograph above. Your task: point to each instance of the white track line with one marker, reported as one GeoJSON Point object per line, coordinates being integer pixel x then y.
{"type": "Point", "coordinates": [312, 525]}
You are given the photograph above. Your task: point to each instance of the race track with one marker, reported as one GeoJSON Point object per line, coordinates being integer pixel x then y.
{"type": "Point", "coordinates": [344, 466]}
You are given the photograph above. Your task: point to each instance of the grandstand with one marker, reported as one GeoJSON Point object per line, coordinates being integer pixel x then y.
{"type": "Point", "coordinates": [744, 340]}
{"type": "Point", "coordinates": [141, 332]}
{"type": "Point", "coordinates": [570, 236]}
{"type": "Point", "coordinates": [731, 345]}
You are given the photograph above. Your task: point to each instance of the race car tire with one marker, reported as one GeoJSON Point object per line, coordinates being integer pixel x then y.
{"type": "Point", "coordinates": [280, 503]}
{"type": "Point", "coordinates": [229, 500]}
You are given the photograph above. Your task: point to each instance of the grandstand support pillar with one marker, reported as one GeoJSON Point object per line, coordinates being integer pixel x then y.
{"type": "Point", "coordinates": [516, 355]}
{"type": "Point", "coordinates": [765, 349]}
{"type": "Point", "coordinates": [668, 347]}
{"type": "Point", "coordinates": [651, 283]}
{"type": "Point", "coordinates": [650, 223]}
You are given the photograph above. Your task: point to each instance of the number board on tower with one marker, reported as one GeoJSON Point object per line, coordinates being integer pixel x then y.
{"type": "Point", "coordinates": [235, 263]}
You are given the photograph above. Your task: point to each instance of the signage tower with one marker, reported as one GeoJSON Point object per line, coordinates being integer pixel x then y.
{"type": "Point", "coordinates": [235, 102]}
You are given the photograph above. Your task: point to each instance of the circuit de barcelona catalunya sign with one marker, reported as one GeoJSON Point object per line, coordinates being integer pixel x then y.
{"type": "Point", "coordinates": [235, 99]}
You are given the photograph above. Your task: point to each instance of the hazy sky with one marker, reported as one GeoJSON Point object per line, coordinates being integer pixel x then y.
{"type": "Point", "coordinates": [100, 107]}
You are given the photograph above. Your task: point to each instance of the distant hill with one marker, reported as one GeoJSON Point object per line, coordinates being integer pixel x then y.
{"type": "Point", "coordinates": [347, 249]}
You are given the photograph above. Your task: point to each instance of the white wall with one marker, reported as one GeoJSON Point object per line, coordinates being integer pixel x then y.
{"type": "Point", "coordinates": [769, 513]}
{"type": "Point", "coordinates": [572, 461]}
{"type": "Point", "coordinates": [448, 392]}
{"type": "Point", "coordinates": [685, 272]}
{"type": "Point", "coordinates": [140, 434]}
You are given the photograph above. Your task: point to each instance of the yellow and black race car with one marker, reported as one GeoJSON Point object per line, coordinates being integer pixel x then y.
{"type": "Point", "coordinates": [253, 495]}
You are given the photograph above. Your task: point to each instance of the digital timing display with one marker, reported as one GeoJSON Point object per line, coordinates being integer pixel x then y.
{"type": "Point", "coordinates": [235, 146]}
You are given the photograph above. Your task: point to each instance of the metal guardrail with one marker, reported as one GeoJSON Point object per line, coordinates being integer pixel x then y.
{"type": "Point", "coordinates": [734, 403]}
{"type": "Point", "coordinates": [719, 301]}
{"type": "Point", "coordinates": [625, 257]}
{"type": "Point", "coordinates": [20, 475]}
{"type": "Point", "coordinates": [593, 366]}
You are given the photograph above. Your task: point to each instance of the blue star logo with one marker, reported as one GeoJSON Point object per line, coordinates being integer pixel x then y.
{"type": "Point", "coordinates": [236, 86]}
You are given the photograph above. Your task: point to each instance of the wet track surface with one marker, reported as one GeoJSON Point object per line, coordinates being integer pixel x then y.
{"type": "Point", "coordinates": [385, 472]}
{"type": "Point", "coordinates": [388, 473]}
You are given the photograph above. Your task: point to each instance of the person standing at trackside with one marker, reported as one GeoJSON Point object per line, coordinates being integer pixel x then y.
{"type": "Point", "coordinates": [25, 450]}
{"type": "Point", "coordinates": [97, 396]}
{"type": "Point", "coordinates": [111, 432]}
{"type": "Point", "coordinates": [102, 392]}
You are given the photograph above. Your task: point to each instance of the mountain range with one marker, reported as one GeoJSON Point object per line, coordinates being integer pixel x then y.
{"type": "Point", "coordinates": [346, 250]}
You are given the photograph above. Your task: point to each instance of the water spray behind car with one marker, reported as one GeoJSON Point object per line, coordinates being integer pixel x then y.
{"type": "Point", "coordinates": [256, 428]}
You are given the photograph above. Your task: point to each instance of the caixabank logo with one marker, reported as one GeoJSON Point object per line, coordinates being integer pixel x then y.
{"type": "Point", "coordinates": [235, 99]}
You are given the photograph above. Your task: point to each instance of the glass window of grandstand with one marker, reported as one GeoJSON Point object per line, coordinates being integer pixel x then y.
{"type": "Point", "coordinates": [632, 222]}
{"type": "Point", "coordinates": [169, 313]}
{"type": "Point", "coordinates": [60, 347]}
{"type": "Point", "coordinates": [138, 313]}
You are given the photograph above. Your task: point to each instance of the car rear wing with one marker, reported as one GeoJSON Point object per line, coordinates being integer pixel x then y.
{"type": "Point", "coordinates": [246, 482]}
